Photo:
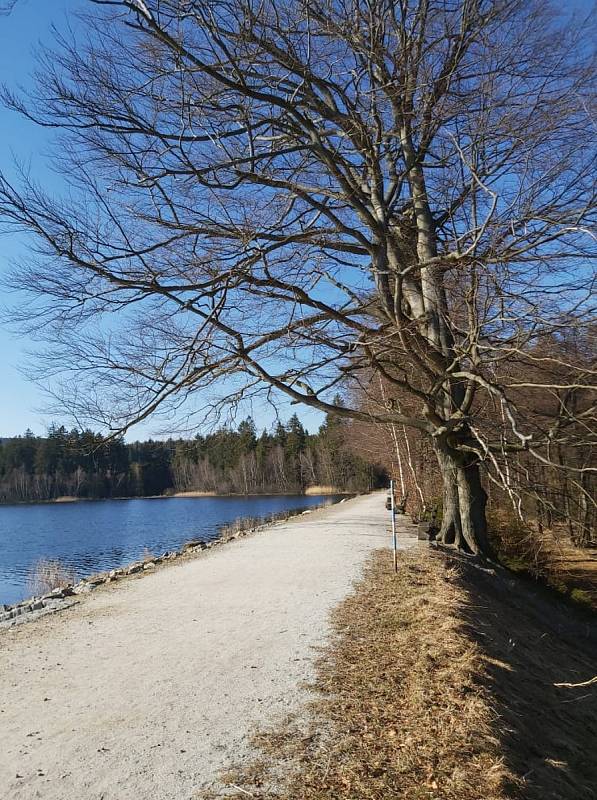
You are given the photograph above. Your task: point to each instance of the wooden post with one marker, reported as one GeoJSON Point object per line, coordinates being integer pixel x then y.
{"type": "Point", "coordinates": [393, 512]}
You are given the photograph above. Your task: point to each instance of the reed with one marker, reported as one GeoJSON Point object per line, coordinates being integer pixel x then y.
{"type": "Point", "coordinates": [47, 574]}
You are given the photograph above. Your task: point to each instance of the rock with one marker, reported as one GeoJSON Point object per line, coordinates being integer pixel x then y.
{"type": "Point", "coordinates": [37, 606]}
{"type": "Point", "coordinates": [134, 568]}
{"type": "Point", "coordinates": [82, 588]}
{"type": "Point", "coordinates": [149, 565]}
{"type": "Point", "coordinates": [426, 531]}
{"type": "Point", "coordinates": [190, 545]}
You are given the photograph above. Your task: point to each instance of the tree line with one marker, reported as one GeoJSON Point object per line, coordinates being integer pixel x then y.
{"type": "Point", "coordinates": [84, 464]}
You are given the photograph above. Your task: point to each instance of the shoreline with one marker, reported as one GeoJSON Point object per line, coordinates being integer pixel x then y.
{"type": "Point", "coordinates": [310, 491]}
{"type": "Point", "coordinates": [60, 598]}
{"type": "Point", "coordinates": [160, 682]}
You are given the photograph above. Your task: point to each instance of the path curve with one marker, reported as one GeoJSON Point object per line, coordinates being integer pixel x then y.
{"type": "Point", "coordinates": [149, 688]}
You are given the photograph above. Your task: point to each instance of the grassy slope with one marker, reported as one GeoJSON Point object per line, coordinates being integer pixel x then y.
{"type": "Point", "coordinates": [440, 684]}
{"type": "Point", "coordinates": [549, 556]}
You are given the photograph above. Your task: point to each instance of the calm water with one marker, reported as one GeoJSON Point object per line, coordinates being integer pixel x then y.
{"type": "Point", "coordinates": [95, 536]}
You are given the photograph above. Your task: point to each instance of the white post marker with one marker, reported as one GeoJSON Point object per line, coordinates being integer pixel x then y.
{"type": "Point", "coordinates": [393, 512]}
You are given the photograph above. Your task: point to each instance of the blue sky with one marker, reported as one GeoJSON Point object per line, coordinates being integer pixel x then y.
{"type": "Point", "coordinates": [29, 22]}
{"type": "Point", "coordinates": [22, 403]}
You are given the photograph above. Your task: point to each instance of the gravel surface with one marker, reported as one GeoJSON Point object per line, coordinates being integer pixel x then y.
{"type": "Point", "coordinates": [148, 689]}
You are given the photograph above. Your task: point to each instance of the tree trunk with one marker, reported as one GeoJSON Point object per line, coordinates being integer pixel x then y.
{"type": "Point", "coordinates": [473, 502]}
{"type": "Point", "coordinates": [464, 522]}
{"type": "Point", "coordinates": [451, 528]}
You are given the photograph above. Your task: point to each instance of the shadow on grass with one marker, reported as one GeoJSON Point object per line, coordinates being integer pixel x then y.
{"type": "Point", "coordinates": [531, 640]}
{"type": "Point", "coordinates": [438, 684]}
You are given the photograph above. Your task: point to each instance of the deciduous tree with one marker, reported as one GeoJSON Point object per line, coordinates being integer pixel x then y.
{"type": "Point", "coordinates": [290, 195]}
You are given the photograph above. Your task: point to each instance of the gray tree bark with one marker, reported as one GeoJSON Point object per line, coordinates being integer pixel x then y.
{"type": "Point", "coordinates": [464, 523]}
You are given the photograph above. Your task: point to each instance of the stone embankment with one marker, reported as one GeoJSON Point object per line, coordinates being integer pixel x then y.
{"type": "Point", "coordinates": [64, 597]}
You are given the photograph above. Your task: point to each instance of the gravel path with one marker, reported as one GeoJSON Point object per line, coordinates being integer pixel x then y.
{"type": "Point", "coordinates": [149, 688]}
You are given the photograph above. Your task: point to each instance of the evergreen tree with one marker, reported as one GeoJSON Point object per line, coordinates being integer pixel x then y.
{"type": "Point", "coordinates": [85, 464]}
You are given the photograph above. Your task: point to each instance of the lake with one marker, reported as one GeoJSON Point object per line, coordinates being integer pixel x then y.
{"type": "Point", "coordinates": [94, 536]}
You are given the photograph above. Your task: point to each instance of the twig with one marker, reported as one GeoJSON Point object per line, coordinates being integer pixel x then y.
{"type": "Point", "coordinates": [240, 789]}
{"type": "Point", "coordinates": [574, 685]}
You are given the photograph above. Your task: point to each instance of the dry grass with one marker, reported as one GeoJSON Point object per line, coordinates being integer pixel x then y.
{"type": "Point", "coordinates": [48, 574]}
{"type": "Point", "coordinates": [439, 685]}
{"type": "Point", "coordinates": [241, 524]}
{"type": "Point", "coordinates": [532, 640]}
{"type": "Point", "coordinates": [571, 569]}
{"type": "Point", "coordinates": [549, 556]}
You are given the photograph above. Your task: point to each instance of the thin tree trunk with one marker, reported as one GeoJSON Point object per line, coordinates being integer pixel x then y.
{"type": "Point", "coordinates": [412, 468]}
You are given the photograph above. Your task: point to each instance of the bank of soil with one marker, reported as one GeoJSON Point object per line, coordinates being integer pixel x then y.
{"type": "Point", "coordinates": [444, 682]}
{"type": "Point", "coordinates": [152, 686]}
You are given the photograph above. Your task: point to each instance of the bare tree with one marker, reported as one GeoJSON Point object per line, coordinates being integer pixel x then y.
{"type": "Point", "coordinates": [291, 195]}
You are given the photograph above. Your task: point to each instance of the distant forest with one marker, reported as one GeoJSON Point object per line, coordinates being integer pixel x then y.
{"type": "Point", "coordinates": [84, 464]}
